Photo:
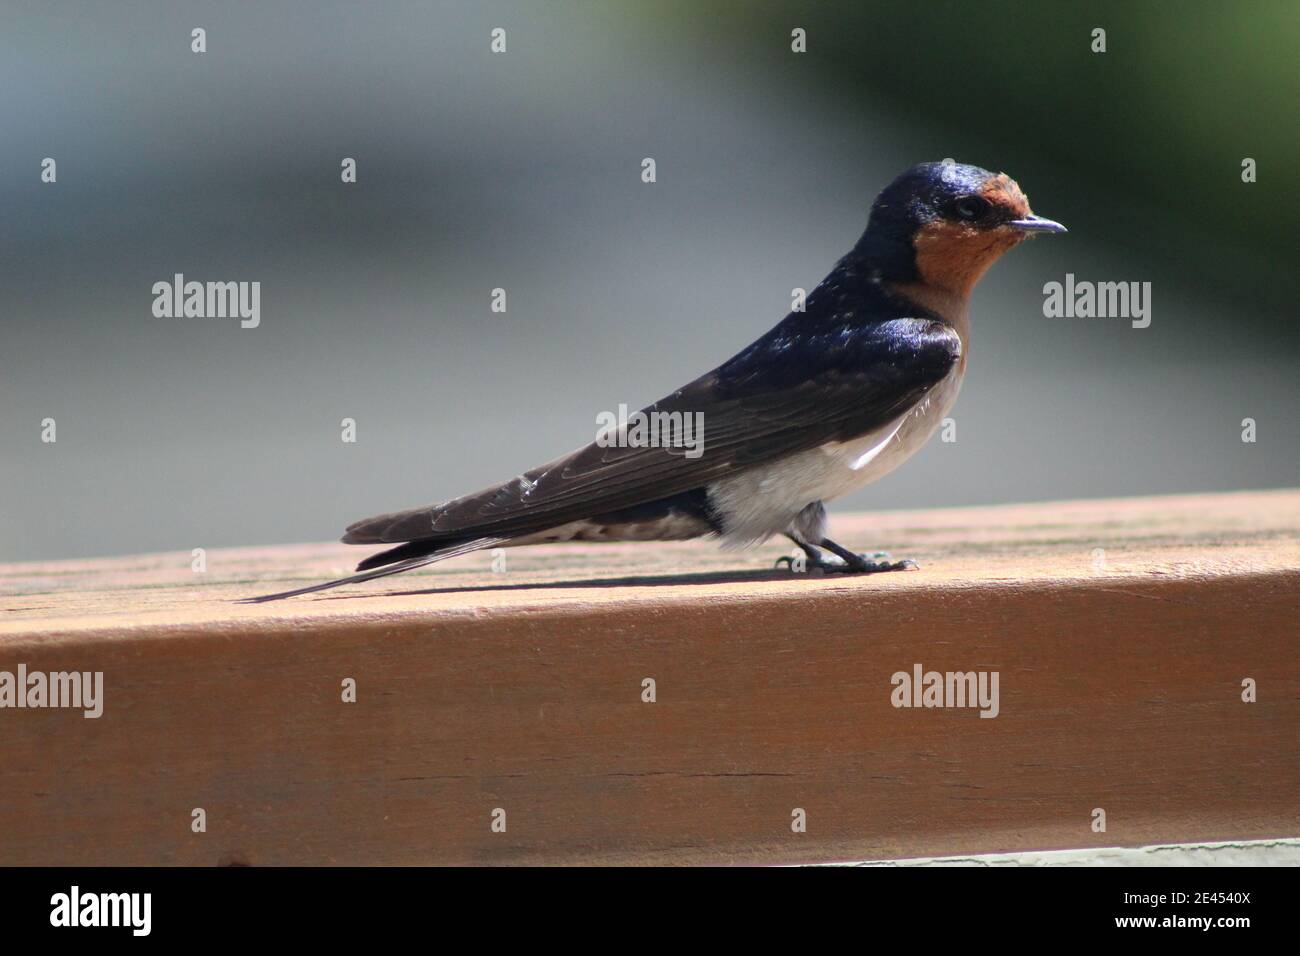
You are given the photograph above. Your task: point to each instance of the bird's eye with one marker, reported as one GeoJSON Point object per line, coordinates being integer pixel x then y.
{"type": "Point", "coordinates": [970, 208]}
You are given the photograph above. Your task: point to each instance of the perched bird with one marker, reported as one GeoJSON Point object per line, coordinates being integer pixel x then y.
{"type": "Point", "coordinates": [829, 400]}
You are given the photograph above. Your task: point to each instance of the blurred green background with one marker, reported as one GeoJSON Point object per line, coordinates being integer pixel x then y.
{"type": "Point", "coordinates": [522, 170]}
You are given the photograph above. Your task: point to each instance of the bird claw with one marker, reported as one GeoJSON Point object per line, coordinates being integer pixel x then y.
{"type": "Point", "coordinates": [872, 563]}
{"type": "Point", "coordinates": [871, 567]}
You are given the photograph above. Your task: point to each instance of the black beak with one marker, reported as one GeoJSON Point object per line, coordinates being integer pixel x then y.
{"type": "Point", "coordinates": [1032, 223]}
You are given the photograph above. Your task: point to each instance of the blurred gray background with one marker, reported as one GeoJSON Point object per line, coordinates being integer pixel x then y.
{"type": "Point", "coordinates": [522, 171]}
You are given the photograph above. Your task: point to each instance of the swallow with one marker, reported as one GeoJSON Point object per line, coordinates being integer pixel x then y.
{"type": "Point", "coordinates": [832, 398]}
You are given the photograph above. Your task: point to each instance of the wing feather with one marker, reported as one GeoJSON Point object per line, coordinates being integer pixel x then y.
{"type": "Point", "coordinates": [786, 393]}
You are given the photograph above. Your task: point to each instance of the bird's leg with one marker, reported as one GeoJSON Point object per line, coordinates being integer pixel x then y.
{"type": "Point", "coordinates": [815, 560]}
{"type": "Point", "coordinates": [867, 563]}
{"type": "Point", "coordinates": [810, 526]}
{"type": "Point", "coordinates": [845, 563]}
{"type": "Point", "coordinates": [842, 560]}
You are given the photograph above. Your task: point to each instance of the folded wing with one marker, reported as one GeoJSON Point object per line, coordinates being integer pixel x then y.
{"type": "Point", "coordinates": [786, 393]}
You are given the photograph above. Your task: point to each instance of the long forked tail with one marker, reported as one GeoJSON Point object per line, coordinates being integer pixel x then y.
{"type": "Point", "coordinates": [407, 556]}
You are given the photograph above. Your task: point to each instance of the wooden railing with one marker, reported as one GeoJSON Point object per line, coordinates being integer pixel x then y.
{"type": "Point", "coordinates": [672, 703]}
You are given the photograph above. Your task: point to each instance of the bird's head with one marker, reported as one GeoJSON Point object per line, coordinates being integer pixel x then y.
{"type": "Point", "coordinates": [956, 220]}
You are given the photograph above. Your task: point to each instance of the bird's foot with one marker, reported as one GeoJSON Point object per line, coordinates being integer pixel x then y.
{"type": "Point", "coordinates": [869, 566]}
{"type": "Point", "coordinates": [872, 563]}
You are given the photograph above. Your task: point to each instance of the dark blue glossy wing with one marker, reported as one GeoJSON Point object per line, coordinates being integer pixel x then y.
{"type": "Point", "coordinates": [791, 390]}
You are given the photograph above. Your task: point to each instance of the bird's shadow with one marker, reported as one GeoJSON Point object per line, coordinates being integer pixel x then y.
{"type": "Point", "coordinates": [640, 580]}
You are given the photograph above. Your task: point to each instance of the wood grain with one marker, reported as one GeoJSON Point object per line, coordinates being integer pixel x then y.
{"type": "Point", "coordinates": [1120, 678]}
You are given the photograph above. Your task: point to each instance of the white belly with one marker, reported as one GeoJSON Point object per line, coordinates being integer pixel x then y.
{"type": "Point", "coordinates": [761, 502]}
